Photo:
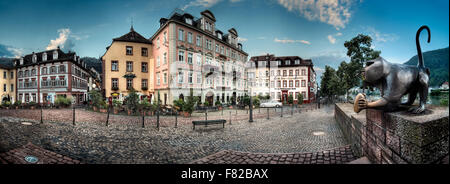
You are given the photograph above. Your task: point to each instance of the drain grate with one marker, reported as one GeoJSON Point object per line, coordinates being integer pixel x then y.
{"type": "Point", "coordinates": [318, 133]}
{"type": "Point", "coordinates": [31, 159]}
{"type": "Point", "coordinates": [27, 123]}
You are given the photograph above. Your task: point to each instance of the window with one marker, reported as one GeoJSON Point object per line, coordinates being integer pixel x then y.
{"type": "Point", "coordinates": [27, 73]}
{"type": "Point", "coordinates": [297, 62]}
{"type": "Point", "coordinates": [55, 55]}
{"type": "Point", "coordinates": [129, 66]}
{"type": "Point", "coordinates": [129, 50]}
{"type": "Point", "coordinates": [279, 84]}
{"type": "Point", "coordinates": [190, 55]}
{"type": "Point", "coordinates": [189, 21]}
{"type": "Point", "coordinates": [199, 41]}
{"type": "Point", "coordinates": [144, 83]}
{"type": "Point", "coordinates": [296, 83]}
{"type": "Point", "coordinates": [44, 56]}
{"type": "Point", "coordinates": [217, 47]}
{"type": "Point", "coordinates": [4, 87]}
{"type": "Point", "coordinates": [62, 69]}
{"type": "Point", "coordinates": [165, 78]}
{"type": "Point", "coordinates": [297, 94]}
{"type": "Point", "coordinates": [157, 61]}
{"type": "Point", "coordinates": [33, 72]}
{"type": "Point", "coordinates": [129, 83]}
{"type": "Point", "coordinates": [115, 83]}
{"type": "Point", "coordinates": [303, 94]}
{"type": "Point", "coordinates": [181, 56]}
{"type": "Point", "coordinates": [199, 78]}
{"type": "Point", "coordinates": [180, 34]}
{"type": "Point", "coordinates": [284, 83]}
{"type": "Point", "coordinates": [278, 62]}
{"type": "Point", "coordinates": [296, 72]}
{"type": "Point", "coordinates": [165, 37]}
{"type": "Point", "coordinates": [20, 73]}
{"type": "Point", "coordinates": [290, 72]}
{"type": "Point", "coordinates": [199, 60]}
{"type": "Point", "coordinates": [144, 67]}
{"type": "Point", "coordinates": [190, 77]}
{"type": "Point", "coordinates": [144, 51]}
{"type": "Point", "coordinates": [4, 75]}
{"type": "Point", "coordinates": [157, 42]}
{"type": "Point", "coordinates": [291, 84]}
{"type": "Point", "coordinates": [34, 58]}
{"type": "Point", "coordinates": [180, 76]}
{"type": "Point", "coordinates": [278, 72]}
{"type": "Point", "coordinates": [12, 88]}
{"type": "Point", "coordinates": [221, 49]}
{"type": "Point", "coordinates": [303, 72]}
{"type": "Point", "coordinates": [303, 83]}
{"type": "Point", "coordinates": [12, 75]}
{"type": "Point", "coordinates": [158, 81]}
{"type": "Point", "coordinates": [114, 66]}
{"type": "Point", "coordinates": [165, 58]}
{"type": "Point", "coordinates": [288, 62]}
{"type": "Point", "coordinates": [284, 72]}
{"type": "Point", "coordinates": [189, 37]}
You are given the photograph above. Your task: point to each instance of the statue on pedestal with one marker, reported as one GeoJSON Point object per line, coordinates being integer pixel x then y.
{"type": "Point", "coordinates": [395, 81]}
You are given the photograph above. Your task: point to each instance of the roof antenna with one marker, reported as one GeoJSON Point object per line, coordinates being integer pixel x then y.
{"type": "Point", "coordinates": [131, 24]}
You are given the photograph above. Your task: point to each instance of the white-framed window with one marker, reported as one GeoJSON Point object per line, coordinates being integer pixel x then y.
{"type": "Point", "coordinates": [158, 62]}
{"type": "Point", "coordinates": [199, 41]}
{"type": "Point", "coordinates": [55, 55]}
{"type": "Point", "coordinates": [222, 50]}
{"type": "Point", "coordinates": [180, 35]}
{"type": "Point", "coordinates": [189, 21]}
{"type": "Point", "coordinates": [297, 61]}
{"type": "Point", "coordinates": [190, 57]}
{"type": "Point", "coordinates": [181, 56]}
{"type": "Point", "coordinates": [158, 80]}
{"type": "Point", "coordinates": [180, 76]}
{"type": "Point", "coordinates": [165, 78]}
{"type": "Point", "coordinates": [199, 60]}
{"type": "Point", "coordinates": [44, 56]}
{"type": "Point", "coordinates": [189, 37]}
{"type": "Point", "coordinates": [217, 47]}
{"type": "Point", "coordinates": [190, 77]}
{"type": "Point", "coordinates": [157, 42]}
{"type": "Point", "coordinates": [165, 37]}
{"type": "Point", "coordinates": [165, 58]}
{"type": "Point", "coordinates": [199, 78]}
{"type": "Point", "coordinates": [288, 62]}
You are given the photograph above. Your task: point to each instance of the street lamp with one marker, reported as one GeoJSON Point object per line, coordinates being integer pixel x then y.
{"type": "Point", "coordinates": [251, 107]}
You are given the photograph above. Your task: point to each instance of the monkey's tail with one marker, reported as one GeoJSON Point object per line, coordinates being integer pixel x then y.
{"type": "Point", "coordinates": [419, 50]}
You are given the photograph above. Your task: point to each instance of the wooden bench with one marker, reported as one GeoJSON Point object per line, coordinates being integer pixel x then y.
{"type": "Point", "coordinates": [206, 122]}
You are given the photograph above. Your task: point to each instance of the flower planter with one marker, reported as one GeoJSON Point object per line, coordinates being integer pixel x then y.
{"type": "Point", "coordinates": [116, 111]}
{"type": "Point", "coordinates": [103, 110]}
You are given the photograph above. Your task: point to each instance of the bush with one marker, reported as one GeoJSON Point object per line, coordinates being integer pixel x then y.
{"type": "Point", "coordinates": [132, 100]}
{"type": "Point", "coordinates": [32, 103]}
{"type": "Point", "coordinates": [103, 104]}
{"type": "Point", "coordinates": [63, 101]}
{"type": "Point", "coordinates": [256, 101]}
{"type": "Point", "coordinates": [206, 103]}
{"type": "Point", "coordinates": [444, 100]}
{"type": "Point", "coordinates": [435, 92]}
{"type": "Point", "coordinates": [290, 99]}
{"type": "Point", "coordinates": [218, 103]}
{"type": "Point", "coordinates": [6, 104]}
{"type": "Point", "coordinates": [18, 103]}
{"type": "Point", "coordinates": [300, 99]}
{"type": "Point", "coordinates": [96, 98]}
{"type": "Point", "coordinates": [116, 103]}
{"type": "Point", "coordinates": [189, 105]}
{"type": "Point", "coordinates": [179, 104]}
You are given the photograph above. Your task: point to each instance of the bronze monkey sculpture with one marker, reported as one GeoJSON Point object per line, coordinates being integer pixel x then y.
{"type": "Point", "coordinates": [396, 80]}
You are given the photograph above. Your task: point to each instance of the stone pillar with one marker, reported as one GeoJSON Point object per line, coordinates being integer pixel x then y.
{"type": "Point", "coordinates": [401, 137]}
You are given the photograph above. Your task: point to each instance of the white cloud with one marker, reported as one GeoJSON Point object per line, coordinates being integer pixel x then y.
{"type": "Point", "coordinates": [291, 41]}
{"type": "Point", "coordinates": [338, 34]}
{"type": "Point", "coordinates": [16, 52]}
{"type": "Point", "coordinates": [380, 37]}
{"type": "Point", "coordinates": [65, 40]}
{"type": "Point", "coordinates": [240, 39]}
{"type": "Point", "coordinates": [204, 3]}
{"type": "Point", "coordinates": [331, 39]}
{"type": "Point", "coordinates": [261, 38]}
{"type": "Point", "coordinates": [333, 12]}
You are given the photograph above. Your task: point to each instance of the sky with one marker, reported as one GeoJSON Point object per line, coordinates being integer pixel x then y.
{"type": "Point", "coordinates": [315, 29]}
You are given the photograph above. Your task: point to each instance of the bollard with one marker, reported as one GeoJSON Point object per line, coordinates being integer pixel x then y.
{"type": "Point", "coordinates": [41, 115]}
{"type": "Point", "coordinates": [143, 119]}
{"type": "Point", "coordinates": [292, 110]}
{"type": "Point", "coordinates": [73, 107]}
{"type": "Point", "coordinates": [107, 117]}
{"type": "Point", "coordinates": [157, 119]}
{"type": "Point", "coordinates": [230, 117]}
{"type": "Point", "coordinates": [176, 119]}
{"type": "Point", "coordinates": [222, 110]}
{"type": "Point", "coordinates": [281, 111]}
{"type": "Point", "coordinates": [206, 114]}
{"type": "Point", "coordinates": [267, 113]}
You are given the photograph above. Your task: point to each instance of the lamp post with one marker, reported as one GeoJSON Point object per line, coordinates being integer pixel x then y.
{"type": "Point", "coordinates": [251, 108]}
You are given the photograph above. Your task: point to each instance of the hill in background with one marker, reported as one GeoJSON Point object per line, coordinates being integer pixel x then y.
{"type": "Point", "coordinates": [437, 61]}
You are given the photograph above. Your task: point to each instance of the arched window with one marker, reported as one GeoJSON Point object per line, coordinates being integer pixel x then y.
{"type": "Point", "coordinates": [52, 70]}
{"type": "Point", "coordinates": [55, 55]}
{"type": "Point", "coordinates": [62, 69]}
{"type": "Point", "coordinates": [33, 72]}
{"type": "Point", "coordinates": [44, 71]}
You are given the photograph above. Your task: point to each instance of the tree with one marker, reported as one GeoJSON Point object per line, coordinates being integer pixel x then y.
{"type": "Point", "coordinates": [132, 100]}
{"type": "Point", "coordinates": [326, 89]}
{"type": "Point", "coordinates": [290, 99]}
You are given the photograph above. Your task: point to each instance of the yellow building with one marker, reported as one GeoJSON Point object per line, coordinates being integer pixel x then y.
{"type": "Point", "coordinates": [127, 63]}
{"type": "Point", "coordinates": [7, 83]}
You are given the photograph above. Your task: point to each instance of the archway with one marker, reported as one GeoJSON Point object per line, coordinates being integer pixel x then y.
{"type": "Point", "coordinates": [209, 98]}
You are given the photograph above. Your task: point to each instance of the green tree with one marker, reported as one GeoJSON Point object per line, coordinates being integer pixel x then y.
{"type": "Point", "coordinates": [325, 89]}
{"type": "Point", "coordinates": [132, 100]}
{"type": "Point", "coordinates": [290, 99]}
{"type": "Point", "coordinates": [359, 49]}
{"type": "Point", "coordinates": [96, 98]}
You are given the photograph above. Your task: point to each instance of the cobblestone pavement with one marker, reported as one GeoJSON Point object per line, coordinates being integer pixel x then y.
{"type": "Point", "coordinates": [126, 142]}
{"type": "Point", "coordinates": [332, 156]}
{"type": "Point", "coordinates": [17, 156]}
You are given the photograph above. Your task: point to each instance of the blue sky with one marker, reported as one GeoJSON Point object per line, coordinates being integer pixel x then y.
{"type": "Point", "coordinates": [315, 30]}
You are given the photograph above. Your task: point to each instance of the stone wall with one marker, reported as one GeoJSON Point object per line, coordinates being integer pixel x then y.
{"type": "Point", "coordinates": [398, 137]}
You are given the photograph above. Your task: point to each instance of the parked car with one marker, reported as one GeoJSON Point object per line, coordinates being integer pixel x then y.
{"type": "Point", "coordinates": [271, 103]}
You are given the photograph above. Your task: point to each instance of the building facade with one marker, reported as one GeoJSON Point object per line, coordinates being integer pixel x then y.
{"type": "Point", "coordinates": [128, 64]}
{"type": "Point", "coordinates": [7, 83]}
{"type": "Point", "coordinates": [43, 76]}
{"type": "Point", "coordinates": [192, 56]}
{"type": "Point", "coordinates": [282, 76]}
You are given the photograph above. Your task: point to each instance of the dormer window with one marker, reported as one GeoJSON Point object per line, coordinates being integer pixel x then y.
{"type": "Point", "coordinates": [21, 61]}
{"type": "Point", "coordinates": [34, 58]}
{"type": "Point", "coordinates": [55, 55]}
{"type": "Point", "coordinates": [219, 35]}
{"type": "Point", "coordinates": [189, 21]}
{"type": "Point", "coordinates": [297, 62]}
{"type": "Point", "coordinates": [288, 62]}
{"type": "Point", "coordinates": [44, 56]}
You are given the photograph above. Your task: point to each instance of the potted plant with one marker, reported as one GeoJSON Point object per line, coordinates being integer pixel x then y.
{"type": "Point", "coordinates": [103, 106]}
{"type": "Point", "coordinates": [32, 105]}
{"type": "Point", "coordinates": [300, 100]}
{"type": "Point", "coordinates": [219, 104]}
{"type": "Point", "coordinates": [96, 99]}
{"type": "Point", "coordinates": [290, 100]}
{"type": "Point", "coordinates": [206, 103]}
{"type": "Point", "coordinates": [188, 107]}
{"type": "Point", "coordinates": [116, 106]}
{"type": "Point", "coordinates": [7, 104]}
{"type": "Point", "coordinates": [132, 101]}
